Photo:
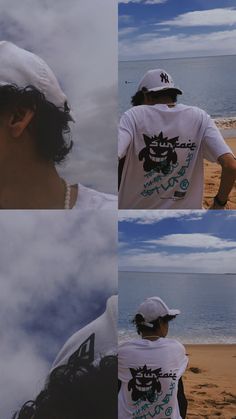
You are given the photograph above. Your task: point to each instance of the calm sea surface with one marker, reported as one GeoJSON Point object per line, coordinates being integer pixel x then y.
{"type": "Point", "coordinates": [208, 82]}
{"type": "Point", "coordinates": [207, 303]}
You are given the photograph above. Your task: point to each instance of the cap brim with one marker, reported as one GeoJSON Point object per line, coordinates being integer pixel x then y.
{"type": "Point", "coordinates": [159, 89]}
{"type": "Point", "coordinates": [173, 312]}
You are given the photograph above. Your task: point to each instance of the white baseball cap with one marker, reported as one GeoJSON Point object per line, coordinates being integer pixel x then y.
{"type": "Point", "coordinates": [94, 341]}
{"type": "Point", "coordinates": [157, 80]}
{"type": "Point", "coordinates": [154, 307]}
{"type": "Point", "coordinates": [23, 68]}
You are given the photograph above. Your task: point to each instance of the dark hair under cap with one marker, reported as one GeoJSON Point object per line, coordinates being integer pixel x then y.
{"type": "Point", "coordinates": [139, 97]}
{"type": "Point", "coordinates": [142, 326]}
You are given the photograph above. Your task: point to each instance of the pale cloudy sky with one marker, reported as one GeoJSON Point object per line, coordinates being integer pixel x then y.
{"type": "Point", "coordinates": [154, 29]}
{"type": "Point", "coordinates": [177, 241]}
{"type": "Point", "coordinates": [56, 271]}
{"type": "Point", "coordinates": [78, 39]}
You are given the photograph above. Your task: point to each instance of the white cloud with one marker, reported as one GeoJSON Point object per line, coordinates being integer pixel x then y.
{"type": "Point", "coordinates": [192, 240]}
{"type": "Point", "coordinates": [79, 41]}
{"type": "Point", "coordinates": [127, 31]}
{"type": "Point", "coordinates": [213, 17]}
{"type": "Point", "coordinates": [125, 19]}
{"type": "Point", "coordinates": [55, 269]}
{"type": "Point", "coordinates": [222, 261]}
{"type": "Point", "coordinates": [152, 217]}
{"type": "Point", "coordinates": [143, 1]}
{"type": "Point", "coordinates": [152, 45]}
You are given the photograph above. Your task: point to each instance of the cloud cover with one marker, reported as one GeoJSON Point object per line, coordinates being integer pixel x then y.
{"type": "Point", "coordinates": [213, 17]}
{"type": "Point", "coordinates": [78, 39]}
{"type": "Point", "coordinates": [57, 270]}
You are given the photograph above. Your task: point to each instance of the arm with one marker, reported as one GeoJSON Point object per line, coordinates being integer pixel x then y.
{"type": "Point", "coordinates": [228, 177]}
{"type": "Point", "coordinates": [182, 401]}
{"type": "Point", "coordinates": [120, 170]}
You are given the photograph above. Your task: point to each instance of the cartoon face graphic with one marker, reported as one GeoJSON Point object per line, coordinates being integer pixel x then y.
{"type": "Point", "coordinates": [159, 153]}
{"type": "Point", "coordinates": [144, 384]}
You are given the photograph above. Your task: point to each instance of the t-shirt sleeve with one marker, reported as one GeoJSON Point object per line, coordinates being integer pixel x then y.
{"type": "Point", "coordinates": [181, 359]}
{"type": "Point", "coordinates": [214, 144]}
{"type": "Point", "coordinates": [125, 135]}
{"type": "Point", "coordinates": [122, 354]}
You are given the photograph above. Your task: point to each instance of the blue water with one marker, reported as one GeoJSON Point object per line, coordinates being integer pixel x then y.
{"type": "Point", "coordinates": [207, 303]}
{"type": "Point", "coordinates": [207, 82]}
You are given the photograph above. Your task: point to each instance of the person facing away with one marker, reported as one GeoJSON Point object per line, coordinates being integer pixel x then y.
{"type": "Point", "coordinates": [34, 126]}
{"type": "Point", "coordinates": [161, 149]}
{"type": "Point", "coordinates": [82, 383]}
{"type": "Point", "coordinates": [150, 368]}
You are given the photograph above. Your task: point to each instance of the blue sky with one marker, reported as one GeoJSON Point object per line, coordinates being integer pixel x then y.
{"type": "Point", "coordinates": [177, 241]}
{"type": "Point", "coordinates": [152, 29]}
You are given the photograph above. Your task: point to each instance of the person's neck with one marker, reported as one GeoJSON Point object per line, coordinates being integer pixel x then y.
{"type": "Point", "coordinates": [151, 337]}
{"type": "Point", "coordinates": [162, 101]}
{"type": "Point", "coordinates": [31, 185]}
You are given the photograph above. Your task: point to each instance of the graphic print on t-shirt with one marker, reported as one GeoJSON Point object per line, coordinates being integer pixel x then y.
{"type": "Point", "coordinates": [159, 153]}
{"type": "Point", "coordinates": [144, 384]}
{"type": "Point", "coordinates": [160, 162]}
{"type": "Point", "coordinates": [147, 392]}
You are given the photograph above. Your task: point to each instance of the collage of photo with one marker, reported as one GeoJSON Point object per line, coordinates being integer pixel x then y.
{"type": "Point", "coordinates": [117, 275]}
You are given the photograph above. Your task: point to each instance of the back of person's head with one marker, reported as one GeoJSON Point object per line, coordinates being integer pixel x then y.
{"type": "Point", "coordinates": [156, 86]}
{"type": "Point", "coordinates": [152, 326]}
{"type": "Point", "coordinates": [76, 391]}
{"type": "Point", "coordinates": [49, 125]}
{"type": "Point", "coordinates": [152, 313]}
{"type": "Point", "coordinates": [139, 97]}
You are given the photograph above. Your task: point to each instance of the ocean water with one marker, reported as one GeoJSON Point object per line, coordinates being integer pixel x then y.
{"type": "Point", "coordinates": [207, 82]}
{"type": "Point", "coordinates": [207, 303]}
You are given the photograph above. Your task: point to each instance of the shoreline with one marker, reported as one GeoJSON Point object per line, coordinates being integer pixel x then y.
{"type": "Point", "coordinates": [124, 336]}
{"type": "Point", "coordinates": [210, 381]}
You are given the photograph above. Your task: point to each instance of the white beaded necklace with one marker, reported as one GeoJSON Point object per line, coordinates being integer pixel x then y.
{"type": "Point", "coordinates": [67, 195]}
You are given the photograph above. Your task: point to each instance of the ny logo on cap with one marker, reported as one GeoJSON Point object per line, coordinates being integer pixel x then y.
{"type": "Point", "coordinates": [164, 77]}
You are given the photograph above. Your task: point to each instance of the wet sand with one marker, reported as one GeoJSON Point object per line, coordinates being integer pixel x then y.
{"type": "Point", "coordinates": [210, 381]}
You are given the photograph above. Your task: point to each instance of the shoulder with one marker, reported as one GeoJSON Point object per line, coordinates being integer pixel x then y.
{"type": "Point", "coordinates": [91, 199]}
{"type": "Point", "coordinates": [175, 345]}
{"type": "Point", "coordinates": [129, 345]}
{"type": "Point", "coordinates": [134, 112]}
{"type": "Point", "coordinates": [195, 110]}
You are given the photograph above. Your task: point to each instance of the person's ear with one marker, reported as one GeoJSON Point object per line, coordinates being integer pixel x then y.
{"type": "Point", "coordinates": [19, 121]}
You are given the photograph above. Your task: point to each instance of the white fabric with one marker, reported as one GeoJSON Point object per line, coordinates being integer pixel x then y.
{"type": "Point", "coordinates": [157, 80]}
{"type": "Point", "coordinates": [154, 307]}
{"type": "Point", "coordinates": [171, 177]}
{"type": "Point", "coordinates": [23, 68]}
{"type": "Point", "coordinates": [94, 341]}
{"type": "Point", "coordinates": [90, 199]}
{"type": "Point", "coordinates": [142, 364]}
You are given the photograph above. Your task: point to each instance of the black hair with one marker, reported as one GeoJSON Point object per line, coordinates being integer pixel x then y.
{"type": "Point", "coordinates": [140, 327]}
{"type": "Point", "coordinates": [76, 392]}
{"type": "Point", "coordinates": [49, 123]}
{"type": "Point", "coordinates": [139, 97]}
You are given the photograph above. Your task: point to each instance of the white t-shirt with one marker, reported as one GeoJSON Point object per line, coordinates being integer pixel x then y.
{"type": "Point", "coordinates": [94, 341]}
{"type": "Point", "coordinates": [91, 199]}
{"type": "Point", "coordinates": [149, 372]}
{"type": "Point", "coordinates": [164, 148]}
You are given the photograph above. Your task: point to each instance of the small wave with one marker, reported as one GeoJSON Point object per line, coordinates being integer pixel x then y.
{"type": "Point", "coordinates": [125, 335]}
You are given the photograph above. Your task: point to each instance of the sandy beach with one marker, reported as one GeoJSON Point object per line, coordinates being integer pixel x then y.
{"type": "Point", "coordinates": [212, 171]}
{"type": "Point", "coordinates": [210, 381]}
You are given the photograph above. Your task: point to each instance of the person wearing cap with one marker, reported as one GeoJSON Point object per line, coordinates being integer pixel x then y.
{"type": "Point", "coordinates": [82, 381]}
{"type": "Point", "coordinates": [161, 149]}
{"type": "Point", "coordinates": [150, 368]}
{"type": "Point", "coordinates": [34, 126]}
